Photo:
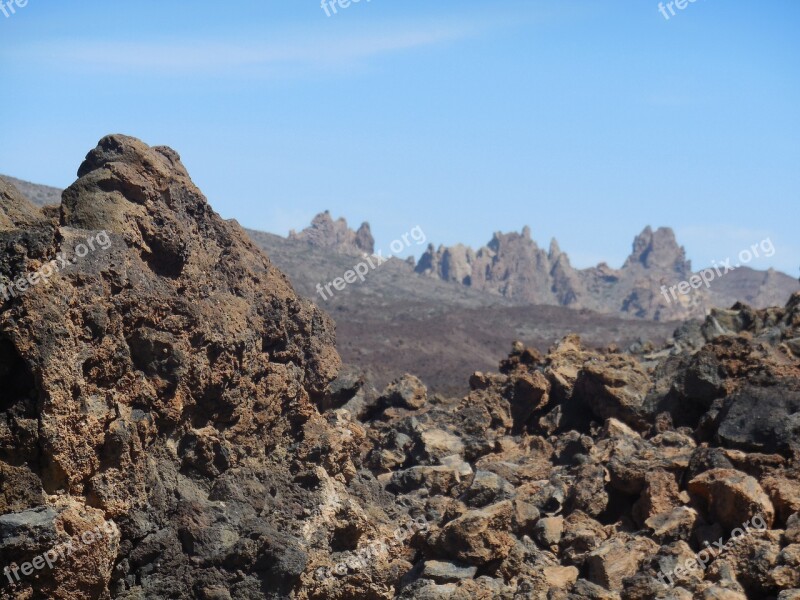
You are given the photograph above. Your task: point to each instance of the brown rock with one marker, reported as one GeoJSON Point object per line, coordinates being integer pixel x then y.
{"type": "Point", "coordinates": [588, 492]}
{"type": "Point", "coordinates": [564, 362]}
{"type": "Point", "coordinates": [437, 479]}
{"type": "Point", "coordinates": [479, 536]}
{"type": "Point", "coordinates": [787, 574]}
{"type": "Point", "coordinates": [660, 496]}
{"type": "Point", "coordinates": [618, 558]}
{"type": "Point", "coordinates": [167, 373]}
{"type": "Point", "coordinates": [585, 590]}
{"type": "Point", "coordinates": [678, 524]}
{"type": "Point", "coordinates": [560, 577]}
{"type": "Point", "coordinates": [784, 494]}
{"type": "Point", "coordinates": [324, 232]}
{"type": "Point", "coordinates": [750, 561]}
{"type": "Point", "coordinates": [526, 459]}
{"type": "Point", "coordinates": [548, 531]}
{"type": "Point", "coordinates": [529, 393]}
{"type": "Point", "coordinates": [15, 210]}
{"type": "Point", "coordinates": [406, 392]}
{"type": "Point", "coordinates": [526, 516]}
{"type": "Point", "coordinates": [676, 565]}
{"type": "Point", "coordinates": [614, 388]}
{"type": "Point", "coordinates": [732, 497]}
{"type": "Point", "coordinates": [581, 536]}
{"type": "Point", "coordinates": [720, 593]}
{"type": "Point", "coordinates": [792, 533]}
{"type": "Point", "coordinates": [446, 572]}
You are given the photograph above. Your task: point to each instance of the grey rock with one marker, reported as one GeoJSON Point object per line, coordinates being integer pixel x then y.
{"type": "Point", "coordinates": [447, 572]}
{"type": "Point", "coordinates": [26, 530]}
{"type": "Point", "coordinates": [761, 419]}
{"type": "Point", "coordinates": [487, 488]}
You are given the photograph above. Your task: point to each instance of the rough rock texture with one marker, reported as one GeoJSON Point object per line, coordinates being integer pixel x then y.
{"type": "Point", "coordinates": [514, 266]}
{"type": "Point", "coordinates": [170, 398]}
{"type": "Point", "coordinates": [511, 265]}
{"type": "Point", "coordinates": [324, 232]}
{"type": "Point", "coordinates": [165, 385]}
{"type": "Point", "coordinates": [39, 195]}
{"type": "Point", "coordinates": [447, 331]}
{"type": "Point", "coordinates": [15, 210]}
{"type": "Point", "coordinates": [584, 474]}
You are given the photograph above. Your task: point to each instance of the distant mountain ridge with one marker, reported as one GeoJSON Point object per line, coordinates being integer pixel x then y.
{"type": "Point", "coordinates": [40, 195]}
{"type": "Point", "coordinates": [513, 267]}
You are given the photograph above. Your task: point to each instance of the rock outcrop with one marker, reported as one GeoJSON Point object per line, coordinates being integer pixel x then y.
{"type": "Point", "coordinates": [585, 474]}
{"type": "Point", "coordinates": [324, 232]}
{"type": "Point", "coordinates": [174, 423]}
{"type": "Point", "coordinates": [512, 265]}
{"type": "Point", "coordinates": [163, 385]}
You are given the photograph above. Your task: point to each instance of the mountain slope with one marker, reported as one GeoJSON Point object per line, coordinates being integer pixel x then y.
{"type": "Point", "coordinates": [512, 265]}
{"type": "Point", "coordinates": [443, 326]}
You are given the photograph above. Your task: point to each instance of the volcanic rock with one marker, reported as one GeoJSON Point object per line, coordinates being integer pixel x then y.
{"type": "Point", "coordinates": [163, 384]}
{"type": "Point", "coordinates": [446, 572]}
{"type": "Point", "coordinates": [324, 232]}
{"type": "Point", "coordinates": [478, 537]}
{"type": "Point", "coordinates": [732, 497]}
{"type": "Point", "coordinates": [172, 386]}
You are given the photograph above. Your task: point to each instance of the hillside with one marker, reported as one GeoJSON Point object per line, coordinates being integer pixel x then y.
{"type": "Point", "coordinates": [398, 322]}
{"type": "Point", "coordinates": [406, 318]}
{"type": "Point", "coordinates": [514, 266]}
{"type": "Point", "coordinates": [175, 424]}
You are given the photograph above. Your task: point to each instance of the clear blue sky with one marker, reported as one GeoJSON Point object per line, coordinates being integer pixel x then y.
{"type": "Point", "coordinates": [586, 120]}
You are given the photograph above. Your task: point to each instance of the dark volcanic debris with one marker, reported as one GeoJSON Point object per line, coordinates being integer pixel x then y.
{"type": "Point", "coordinates": [585, 474]}
{"type": "Point", "coordinates": [165, 385]}
{"type": "Point", "coordinates": [174, 423]}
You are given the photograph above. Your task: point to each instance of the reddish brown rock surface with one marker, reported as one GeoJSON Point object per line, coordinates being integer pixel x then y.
{"type": "Point", "coordinates": [173, 391]}
{"type": "Point", "coordinates": [165, 384]}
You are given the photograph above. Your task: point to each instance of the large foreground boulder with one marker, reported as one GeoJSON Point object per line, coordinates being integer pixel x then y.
{"type": "Point", "coordinates": [158, 374]}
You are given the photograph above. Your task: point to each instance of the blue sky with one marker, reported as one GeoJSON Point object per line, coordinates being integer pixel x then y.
{"type": "Point", "coordinates": [586, 120]}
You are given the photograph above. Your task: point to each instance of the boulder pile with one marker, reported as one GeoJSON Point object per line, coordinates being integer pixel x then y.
{"type": "Point", "coordinates": [175, 423]}
{"type": "Point", "coordinates": [602, 474]}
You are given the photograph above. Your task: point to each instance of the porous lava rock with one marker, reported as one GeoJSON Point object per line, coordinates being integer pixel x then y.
{"type": "Point", "coordinates": [171, 395]}
{"type": "Point", "coordinates": [165, 384]}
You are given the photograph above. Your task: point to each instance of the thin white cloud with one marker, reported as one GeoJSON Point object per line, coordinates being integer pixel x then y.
{"type": "Point", "coordinates": [212, 57]}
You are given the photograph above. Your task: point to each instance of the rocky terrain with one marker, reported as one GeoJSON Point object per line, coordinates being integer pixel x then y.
{"type": "Point", "coordinates": [326, 233]}
{"type": "Point", "coordinates": [579, 474]}
{"type": "Point", "coordinates": [513, 270]}
{"type": "Point", "coordinates": [398, 322]}
{"type": "Point", "coordinates": [432, 317]}
{"type": "Point", "coordinates": [40, 195]}
{"type": "Point", "coordinates": [165, 385]}
{"type": "Point", "coordinates": [513, 265]}
{"type": "Point", "coordinates": [175, 423]}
